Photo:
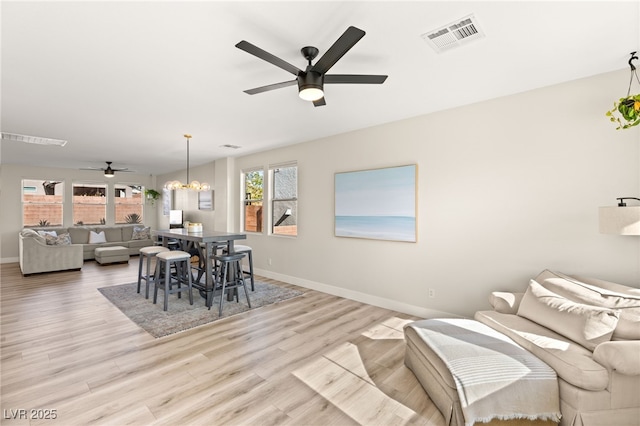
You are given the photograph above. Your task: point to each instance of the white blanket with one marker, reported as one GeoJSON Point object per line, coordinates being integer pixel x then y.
{"type": "Point", "coordinates": [495, 377]}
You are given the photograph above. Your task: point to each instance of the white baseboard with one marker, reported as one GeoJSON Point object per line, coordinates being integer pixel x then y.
{"type": "Point", "coordinates": [393, 305]}
{"type": "Point", "coordinates": [10, 260]}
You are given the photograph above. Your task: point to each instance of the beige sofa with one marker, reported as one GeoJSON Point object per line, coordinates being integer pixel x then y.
{"type": "Point", "coordinates": [38, 256]}
{"type": "Point", "coordinates": [587, 330]}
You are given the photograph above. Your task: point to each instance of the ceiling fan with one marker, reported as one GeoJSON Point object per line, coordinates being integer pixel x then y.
{"type": "Point", "coordinates": [311, 81]}
{"type": "Point", "coordinates": [109, 171]}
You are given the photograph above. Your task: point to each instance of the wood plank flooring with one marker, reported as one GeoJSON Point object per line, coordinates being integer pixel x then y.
{"type": "Point", "coordinates": [316, 359]}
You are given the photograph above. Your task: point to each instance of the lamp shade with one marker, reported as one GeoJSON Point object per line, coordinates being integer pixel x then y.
{"type": "Point", "coordinates": [620, 220]}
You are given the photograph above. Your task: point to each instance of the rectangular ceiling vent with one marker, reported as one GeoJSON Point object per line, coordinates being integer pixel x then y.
{"type": "Point", "coordinates": [32, 139]}
{"type": "Point", "coordinates": [455, 34]}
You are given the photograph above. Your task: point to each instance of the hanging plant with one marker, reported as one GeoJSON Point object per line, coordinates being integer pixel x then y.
{"type": "Point", "coordinates": [626, 111]}
{"type": "Point", "coordinates": [151, 195]}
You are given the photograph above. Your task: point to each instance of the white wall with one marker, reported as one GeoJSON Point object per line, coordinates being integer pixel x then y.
{"type": "Point", "coordinates": [506, 188]}
{"type": "Point", "coordinates": [11, 176]}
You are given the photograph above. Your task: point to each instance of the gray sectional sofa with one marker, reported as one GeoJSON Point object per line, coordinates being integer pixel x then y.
{"type": "Point", "coordinates": [36, 255]}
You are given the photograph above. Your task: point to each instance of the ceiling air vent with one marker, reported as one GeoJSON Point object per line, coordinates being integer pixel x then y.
{"type": "Point", "coordinates": [230, 146]}
{"type": "Point", "coordinates": [455, 34]}
{"type": "Point", "coordinates": [32, 139]}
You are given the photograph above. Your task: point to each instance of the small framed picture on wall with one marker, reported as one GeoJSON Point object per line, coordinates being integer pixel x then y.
{"type": "Point", "coordinates": [205, 200]}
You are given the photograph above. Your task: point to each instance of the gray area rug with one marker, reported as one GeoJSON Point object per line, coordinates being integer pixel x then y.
{"type": "Point", "coordinates": [181, 315]}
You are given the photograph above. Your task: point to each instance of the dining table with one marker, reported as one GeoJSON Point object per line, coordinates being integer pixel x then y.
{"type": "Point", "coordinates": [205, 242]}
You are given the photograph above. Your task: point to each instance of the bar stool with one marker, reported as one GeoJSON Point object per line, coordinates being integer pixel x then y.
{"type": "Point", "coordinates": [182, 262]}
{"type": "Point", "coordinates": [246, 249]}
{"type": "Point", "coordinates": [146, 254]}
{"type": "Point", "coordinates": [173, 244]}
{"type": "Point", "coordinates": [231, 277]}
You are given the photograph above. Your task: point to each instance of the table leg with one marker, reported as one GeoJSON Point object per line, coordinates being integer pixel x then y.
{"type": "Point", "coordinates": [210, 283]}
{"type": "Point", "coordinates": [232, 273]}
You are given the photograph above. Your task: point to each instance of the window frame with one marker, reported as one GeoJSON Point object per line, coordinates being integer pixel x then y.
{"type": "Point", "coordinates": [116, 187]}
{"type": "Point", "coordinates": [105, 186]}
{"type": "Point", "coordinates": [246, 200]}
{"type": "Point", "coordinates": [50, 202]}
{"type": "Point", "coordinates": [272, 182]}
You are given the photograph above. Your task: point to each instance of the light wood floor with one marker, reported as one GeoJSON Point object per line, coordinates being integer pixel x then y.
{"type": "Point", "coordinates": [313, 360]}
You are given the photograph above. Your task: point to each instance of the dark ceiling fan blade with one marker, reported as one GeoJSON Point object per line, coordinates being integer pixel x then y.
{"type": "Point", "coordinates": [266, 56]}
{"type": "Point", "coordinates": [346, 41]}
{"type": "Point", "coordinates": [354, 79]}
{"type": "Point", "coordinates": [109, 168]}
{"type": "Point", "coordinates": [271, 87]}
{"type": "Point", "coordinates": [319, 102]}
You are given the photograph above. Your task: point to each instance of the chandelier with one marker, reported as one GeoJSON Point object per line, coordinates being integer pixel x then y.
{"type": "Point", "coordinates": [193, 185]}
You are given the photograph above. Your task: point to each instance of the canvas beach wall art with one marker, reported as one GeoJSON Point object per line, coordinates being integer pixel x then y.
{"type": "Point", "coordinates": [377, 204]}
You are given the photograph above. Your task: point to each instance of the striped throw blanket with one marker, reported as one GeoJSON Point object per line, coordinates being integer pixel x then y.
{"type": "Point", "coordinates": [495, 377]}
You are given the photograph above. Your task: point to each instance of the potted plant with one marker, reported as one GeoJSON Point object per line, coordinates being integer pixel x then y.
{"type": "Point", "coordinates": [133, 218]}
{"type": "Point", "coordinates": [626, 112]}
{"type": "Point", "coordinates": [151, 195]}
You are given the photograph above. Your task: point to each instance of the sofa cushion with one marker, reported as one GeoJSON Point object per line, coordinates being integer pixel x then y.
{"type": "Point", "coordinates": [79, 234]}
{"type": "Point", "coordinates": [136, 245]}
{"type": "Point", "coordinates": [592, 291]}
{"type": "Point", "coordinates": [571, 361]}
{"type": "Point", "coordinates": [127, 232]}
{"type": "Point", "coordinates": [113, 233]}
{"type": "Point", "coordinates": [584, 324]}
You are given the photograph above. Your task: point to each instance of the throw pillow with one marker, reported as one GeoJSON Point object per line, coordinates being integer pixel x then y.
{"type": "Point", "coordinates": [96, 238]}
{"type": "Point", "coordinates": [141, 233]}
{"type": "Point", "coordinates": [601, 293]}
{"type": "Point", "coordinates": [45, 233]}
{"type": "Point", "coordinates": [58, 240]}
{"type": "Point", "coordinates": [584, 324]}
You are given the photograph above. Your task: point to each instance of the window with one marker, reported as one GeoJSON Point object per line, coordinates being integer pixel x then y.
{"type": "Point", "coordinates": [253, 195]}
{"type": "Point", "coordinates": [42, 202]}
{"type": "Point", "coordinates": [129, 203]}
{"type": "Point", "coordinates": [89, 203]}
{"type": "Point", "coordinates": [284, 199]}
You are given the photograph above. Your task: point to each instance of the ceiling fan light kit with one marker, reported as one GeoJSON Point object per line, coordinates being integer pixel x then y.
{"type": "Point", "coordinates": [311, 81]}
{"type": "Point", "coordinates": [310, 86]}
{"type": "Point", "coordinates": [108, 172]}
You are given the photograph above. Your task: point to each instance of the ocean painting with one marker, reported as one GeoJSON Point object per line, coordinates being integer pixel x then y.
{"type": "Point", "coordinates": [378, 204]}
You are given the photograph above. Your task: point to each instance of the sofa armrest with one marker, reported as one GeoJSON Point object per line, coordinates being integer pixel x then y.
{"type": "Point", "coordinates": [505, 302]}
{"type": "Point", "coordinates": [621, 356]}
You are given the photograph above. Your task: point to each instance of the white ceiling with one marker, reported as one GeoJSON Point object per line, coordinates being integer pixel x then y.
{"type": "Point", "coordinates": [123, 81]}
